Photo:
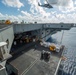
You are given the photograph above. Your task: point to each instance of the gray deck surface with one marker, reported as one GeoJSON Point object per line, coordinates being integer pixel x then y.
{"type": "Point", "coordinates": [2, 26]}
{"type": "Point", "coordinates": [29, 62]}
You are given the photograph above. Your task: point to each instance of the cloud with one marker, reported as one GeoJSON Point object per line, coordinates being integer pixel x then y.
{"type": "Point", "coordinates": [59, 2]}
{"type": "Point", "coordinates": [31, 17]}
{"type": "Point", "coordinates": [60, 16]}
{"type": "Point", "coordinates": [75, 2]}
{"type": "Point", "coordinates": [69, 8]}
{"type": "Point", "coordinates": [40, 14]}
{"type": "Point", "coordinates": [25, 13]}
{"type": "Point", "coordinates": [13, 3]}
{"type": "Point", "coordinates": [63, 5]}
{"type": "Point", "coordinates": [27, 17]}
{"type": "Point", "coordinates": [36, 10]}
{"type": "Point", "coordinates": [1, 15]}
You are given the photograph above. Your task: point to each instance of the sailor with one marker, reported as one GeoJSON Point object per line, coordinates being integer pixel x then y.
{"type": "Point", "coordinates": [42, 54]}
{"type": "Point", "coordinates": [49, 55]}
{"type": "Point", "coordinates": [45, 55]}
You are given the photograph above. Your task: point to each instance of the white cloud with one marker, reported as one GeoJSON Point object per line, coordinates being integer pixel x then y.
{"type": "Point", "coordinates": [1, 15]}
{"type": "Point", "coordinates": [31, 17]}
{"type": "Point", "coordinates": [63, 5]}
{"type": "Point", "coordinates": [52, 19]}
{"type": "Point", "coordinates": [13, 3]}
{"type": "Point", "coordinates": [60, 2]}
{"type": "Point", "coordinates": [36, 10]}
{"type": "Point", "coordinates": [40, 14]}
{"type": "Point", "coordinates": [75, 2]}
{"type": "Point", "coordinates": [70, 7]}
{"type": "Point", "coordinates": [60, 16]}
{"type": "Point", "coordinates": [26, 14]}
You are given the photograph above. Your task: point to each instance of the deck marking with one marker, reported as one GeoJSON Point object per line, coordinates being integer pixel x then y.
{"type": "Point", "coordinates": [57, 67]}
{"type": "Point", "coordinates": [29, 67]}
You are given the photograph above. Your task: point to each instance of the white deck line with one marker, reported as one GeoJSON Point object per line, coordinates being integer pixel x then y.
{"type": "Point", "coordinates": [57, 67]}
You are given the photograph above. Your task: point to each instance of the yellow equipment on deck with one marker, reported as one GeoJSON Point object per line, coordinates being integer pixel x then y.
{"type": "Point", "coordinates": [52, 47]}
{"type": "Point", "coordinates": [7, 22]}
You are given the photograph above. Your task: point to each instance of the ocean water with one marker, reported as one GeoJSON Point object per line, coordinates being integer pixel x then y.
{"type": "Point", "coordinates": [69, 40]}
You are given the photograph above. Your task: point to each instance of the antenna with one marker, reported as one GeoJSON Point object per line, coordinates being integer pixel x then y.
{"type": "Point", "coordinates": [62, 37]}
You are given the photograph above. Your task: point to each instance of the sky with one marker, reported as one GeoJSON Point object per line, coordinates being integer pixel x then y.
{"type": "Point", "coordinates": [29, 11]}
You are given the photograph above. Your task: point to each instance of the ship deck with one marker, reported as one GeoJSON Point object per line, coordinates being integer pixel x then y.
{"type": "Point", "coordinates": [27, 61]}
{"type": "Point", "coordinates": [3, 26]}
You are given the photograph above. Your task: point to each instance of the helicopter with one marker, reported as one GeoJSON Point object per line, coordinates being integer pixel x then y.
{"type": "Point", "coordinates": [46, 5]}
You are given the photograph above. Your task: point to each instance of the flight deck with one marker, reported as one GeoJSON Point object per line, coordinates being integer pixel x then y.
{"type": "Point", "coordinates": [26, 61]}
